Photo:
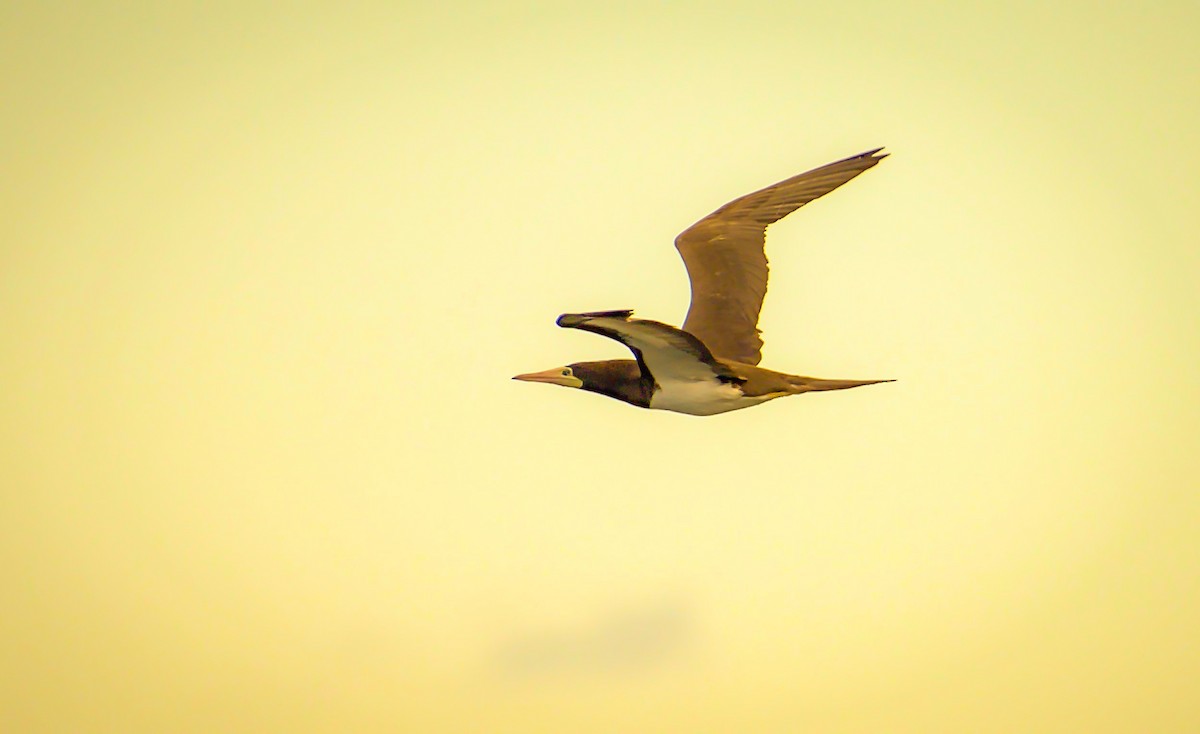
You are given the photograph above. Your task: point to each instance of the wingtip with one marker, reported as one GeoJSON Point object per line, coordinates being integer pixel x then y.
{"type": "Point", "coordinates": [868, 157]}
{"type": "Point", "coordinates": [572, 320]}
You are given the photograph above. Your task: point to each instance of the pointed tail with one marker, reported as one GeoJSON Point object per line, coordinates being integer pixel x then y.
{"type": "Point", "coordinates": [815, 384]}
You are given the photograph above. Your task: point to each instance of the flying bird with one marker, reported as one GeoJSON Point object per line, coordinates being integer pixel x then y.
{"type": "Point", "coordinates": [710, 366]}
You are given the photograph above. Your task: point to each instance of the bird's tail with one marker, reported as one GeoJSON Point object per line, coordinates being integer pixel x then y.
{"type": "Point", "coordinates": [816, 384]}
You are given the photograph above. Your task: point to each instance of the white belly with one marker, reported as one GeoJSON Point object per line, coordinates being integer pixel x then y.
{"type": "Point", "coordinates": [702, 397]}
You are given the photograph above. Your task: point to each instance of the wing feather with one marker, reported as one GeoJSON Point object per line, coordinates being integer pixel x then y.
{"type": "Point", "coordinates": [727, 266]}
{"type": "Point", "coordinates": [666, 353]}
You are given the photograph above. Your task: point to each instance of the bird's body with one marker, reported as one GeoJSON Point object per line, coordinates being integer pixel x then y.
{"type": "Point", "coordinates": [709, 366]}
{"type": "Point", "coordinates": [702, 398]}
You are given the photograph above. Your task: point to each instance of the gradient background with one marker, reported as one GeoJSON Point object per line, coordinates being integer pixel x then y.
{"type": "Point", "coordinates": [267, 269]}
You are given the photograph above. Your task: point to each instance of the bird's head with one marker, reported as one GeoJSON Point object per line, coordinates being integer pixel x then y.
{"type": "Point", "coordinates": [617, 378]}
{"type": "Point", "coordinates": [564, 376]}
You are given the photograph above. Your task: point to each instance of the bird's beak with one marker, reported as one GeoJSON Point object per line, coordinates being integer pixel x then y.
{"type": "Point", "coordinates": [554, 377]}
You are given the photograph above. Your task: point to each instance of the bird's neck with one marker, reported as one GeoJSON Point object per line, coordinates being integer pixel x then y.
{"type": "Point", "coordinates": [625, 381]}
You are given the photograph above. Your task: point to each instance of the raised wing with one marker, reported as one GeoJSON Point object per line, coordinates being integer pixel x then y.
{"type": "Point", "coordinates": [726, 264]}
{"type": "Point", "coordinates": [666, 353]}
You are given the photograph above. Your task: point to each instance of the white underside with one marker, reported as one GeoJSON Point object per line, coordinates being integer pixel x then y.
{"type": "Point", "coordinates": [686, 382]}
{"type": "Point", "coordinates": [702, 397]}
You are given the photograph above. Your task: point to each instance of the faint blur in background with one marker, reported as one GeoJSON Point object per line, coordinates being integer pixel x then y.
{"type": "Point", "coordinates": [266, 271]}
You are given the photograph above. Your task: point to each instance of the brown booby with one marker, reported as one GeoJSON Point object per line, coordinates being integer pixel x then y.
{"type": "Point", "coordinates": [710, 365]}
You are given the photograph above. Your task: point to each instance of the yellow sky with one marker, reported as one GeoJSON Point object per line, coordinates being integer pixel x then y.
{"type": "Point", "coordinates": [265, 274]}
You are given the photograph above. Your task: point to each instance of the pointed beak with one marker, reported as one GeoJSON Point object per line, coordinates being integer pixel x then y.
{"type": "Point", "coordinates": [553, 377]}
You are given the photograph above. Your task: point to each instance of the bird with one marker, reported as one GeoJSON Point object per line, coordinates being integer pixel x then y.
{"type": "Point", "coordinates": [710, 365]}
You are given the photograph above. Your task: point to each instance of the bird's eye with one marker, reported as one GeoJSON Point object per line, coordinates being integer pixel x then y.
{"type": "Point", "coordinates": [566, 372]}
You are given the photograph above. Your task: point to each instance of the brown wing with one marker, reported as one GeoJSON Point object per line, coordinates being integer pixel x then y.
{"type": "Point", "coordinates": [666, 353]}
{"type": "Point", "coordinates": [725, 261]}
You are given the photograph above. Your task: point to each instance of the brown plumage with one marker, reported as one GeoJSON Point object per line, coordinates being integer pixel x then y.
{"type": "Point", "coordinates": [710, 365]}
{"type": "Point", "coordinates": [727, 264]}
